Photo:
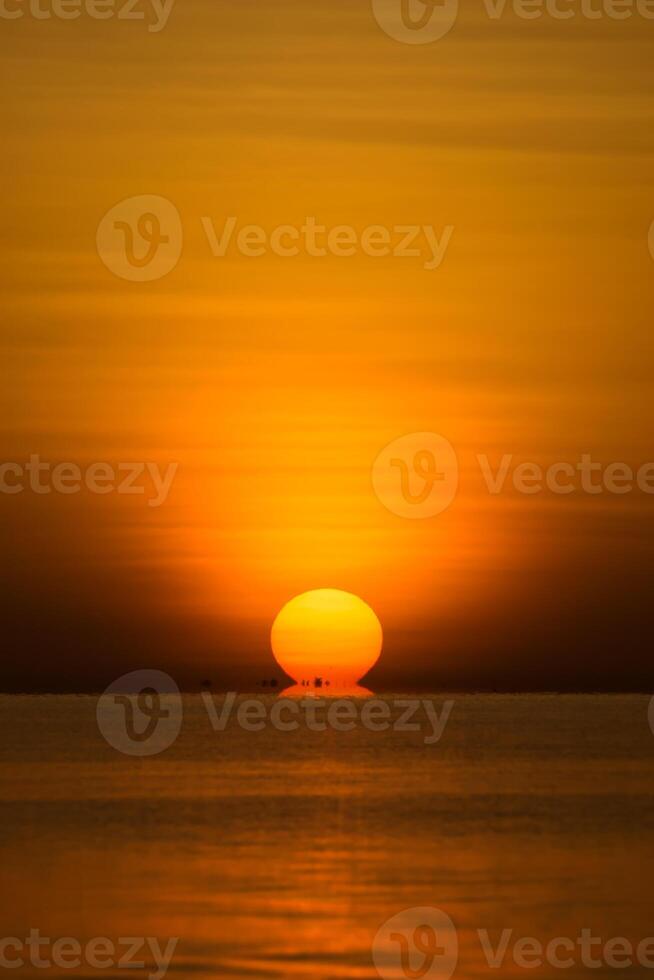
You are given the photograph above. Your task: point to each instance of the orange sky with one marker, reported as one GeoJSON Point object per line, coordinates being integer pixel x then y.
{"type": "Point", "coordinates": [275, 382]}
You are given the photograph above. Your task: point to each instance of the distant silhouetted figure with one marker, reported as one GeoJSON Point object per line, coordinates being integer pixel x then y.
{"type": "Point", "coordinates": [318, 682]}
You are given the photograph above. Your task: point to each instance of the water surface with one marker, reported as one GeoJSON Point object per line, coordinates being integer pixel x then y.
{"type": "Point", "coordinates": [279, 855]}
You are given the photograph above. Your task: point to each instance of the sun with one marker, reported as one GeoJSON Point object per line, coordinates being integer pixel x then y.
{"type": "Point", "coordinates": [326, 634]}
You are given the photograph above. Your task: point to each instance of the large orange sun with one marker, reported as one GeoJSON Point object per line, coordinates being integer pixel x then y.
{"type": "Point", "coordinates": [328, 634]}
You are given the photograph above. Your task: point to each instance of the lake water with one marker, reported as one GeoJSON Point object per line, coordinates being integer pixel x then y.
{"type": "Point", "coordinates": [281, 854]}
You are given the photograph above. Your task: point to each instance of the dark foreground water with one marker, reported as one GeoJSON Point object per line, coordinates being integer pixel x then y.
{"type": "Point", "coordinates": [281, 854]}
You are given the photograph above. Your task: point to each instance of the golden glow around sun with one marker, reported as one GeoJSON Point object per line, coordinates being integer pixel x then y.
{"type": "Point", "coordinates": [326, 633]}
